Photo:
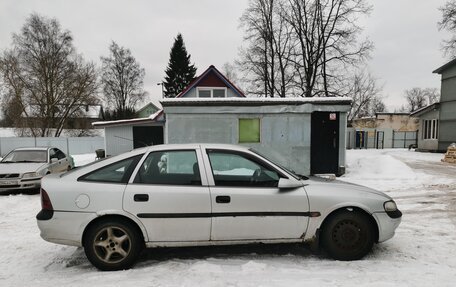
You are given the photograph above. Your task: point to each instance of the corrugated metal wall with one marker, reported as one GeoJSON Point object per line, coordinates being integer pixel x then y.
{"type": "Point", "coordinates": [118, 139]}
{"type": "Point", "coordinates": [284, 137]}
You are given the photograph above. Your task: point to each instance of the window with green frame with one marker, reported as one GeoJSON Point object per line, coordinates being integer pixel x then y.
{"type": "Point", "coordinates": [249, 130]}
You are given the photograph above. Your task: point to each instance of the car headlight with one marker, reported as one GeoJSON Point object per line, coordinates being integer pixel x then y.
{"type": "Point", "coordinates": [390, 206]}
{"type": "Point", "coordinates": [31, 175]}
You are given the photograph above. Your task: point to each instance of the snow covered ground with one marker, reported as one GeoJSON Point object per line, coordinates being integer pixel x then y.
{"type": "Point", "coordinates": [422, 253]}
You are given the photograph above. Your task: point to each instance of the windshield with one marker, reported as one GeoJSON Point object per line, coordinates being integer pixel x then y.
{"type": "Point", "coordinates": [292, 172]}
{"type": "Point", "coordinates": [26, 156]}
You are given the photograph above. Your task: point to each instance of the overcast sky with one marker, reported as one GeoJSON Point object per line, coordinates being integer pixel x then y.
{"type": "Point", "coordinates": [407, 41]}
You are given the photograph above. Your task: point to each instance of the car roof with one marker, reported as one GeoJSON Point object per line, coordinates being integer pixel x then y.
{"type": "Point", "coordinates": [197, 145]}
{"type": "Point", "coordinates": [33, 148]}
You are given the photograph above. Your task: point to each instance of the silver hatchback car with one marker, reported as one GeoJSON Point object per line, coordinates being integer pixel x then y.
{"type": "Point", "coordinates": [206, 194]}
{"type": "Point", "coordinates": [22, 168]}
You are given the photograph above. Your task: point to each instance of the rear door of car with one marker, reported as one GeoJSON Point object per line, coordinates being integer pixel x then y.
{"type": "Point", "coordinates": [246, 202]}
{"type": "Point", "coordinates": [170, 196]}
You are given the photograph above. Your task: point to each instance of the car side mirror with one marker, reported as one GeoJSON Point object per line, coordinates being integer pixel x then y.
{"type": "Point", "coordinates": [285, 183]}
{"type": "Point", "coordinates": [54, 160]}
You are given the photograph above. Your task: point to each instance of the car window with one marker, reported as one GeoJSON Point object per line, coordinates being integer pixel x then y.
{"type": "Point", "coordinates": [235, 169]}
{"type": "Point", "coordinates": [118, 172]}
{"type": "Point", "coordinates": [170, 167]}
{"type": "Point", "coordinates": [59, 154]}
{"type": "Point", "coordinates": [52, 153]}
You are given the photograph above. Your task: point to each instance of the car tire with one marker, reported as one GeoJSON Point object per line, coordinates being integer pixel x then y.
{"type": "Point", "coordinates": [112, 245]}
{"type": "Point", "coordinates": [347, 235]}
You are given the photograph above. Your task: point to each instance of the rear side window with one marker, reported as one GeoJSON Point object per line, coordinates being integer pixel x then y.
{"type": "Point", "coordinates": [118, 172]}
{"type": "Point", "coordinates": [170, 167]}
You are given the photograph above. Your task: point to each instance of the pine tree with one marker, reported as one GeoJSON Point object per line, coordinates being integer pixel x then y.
{"type": "Point", "coordinates": [179, 72]}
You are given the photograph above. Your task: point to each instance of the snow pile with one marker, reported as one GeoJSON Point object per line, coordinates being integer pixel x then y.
{"type": "Point", "coordinates": [381, 171]}
{"type": "Point", "coordinates": [83, 159]}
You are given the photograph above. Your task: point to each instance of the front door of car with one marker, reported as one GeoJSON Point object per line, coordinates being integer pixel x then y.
{"type": "Point", "coordinates": [170, 196]}
{"type": "Point", "coordinates": [58, 162]}
{"type": "Point", "coordinates": [246, 202]}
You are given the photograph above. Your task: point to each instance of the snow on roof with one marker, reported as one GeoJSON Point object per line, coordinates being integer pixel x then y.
{"type": "Point", "coordinates": [152, 118]}
{"type": "Point", "coordinates": [261, 101]}
{"type": "Point", "coordinates": [424, 110]}
{"type": "Point", "coordinates": [255, 101]}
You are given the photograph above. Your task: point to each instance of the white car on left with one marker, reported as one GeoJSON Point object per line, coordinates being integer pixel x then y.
{"type": "Point", "coordinates": [22, 168]}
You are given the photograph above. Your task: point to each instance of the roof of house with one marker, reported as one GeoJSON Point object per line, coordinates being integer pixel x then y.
{"type": "Point", "coordinates": [425, 109]}
{"type": "Point", "coordinates": [444, 67]}
{"type": "Point", "coordinates": [156, 117]}
{"type": "Point", "coordinates": [235, 101]}
{"type": "Point", "coordinates": [208, 71]}
{"type": "Point", "coordinates": [146, 106]}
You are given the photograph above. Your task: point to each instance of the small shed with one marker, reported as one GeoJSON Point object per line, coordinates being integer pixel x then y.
{"type": "Point", "coordinates": [304, 134]}
{"type": "Point", "coordinates": [124, 135]}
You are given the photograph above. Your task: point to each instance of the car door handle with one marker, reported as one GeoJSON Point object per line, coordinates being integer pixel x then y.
{"type": "Point", "coordinates": [141, 197]}
{"type": "Point", "coordinates": [223, 199]}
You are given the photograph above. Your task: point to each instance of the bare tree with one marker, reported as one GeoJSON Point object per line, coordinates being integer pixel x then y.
{"type": "Point", "coordinates": [418, 98]}
{"type": "Point", "coordinates": [448, 22]}
{"type": "Point", "coordinates": [302, 47]}
{"type": "Point", "coordinates": [122, 79]}
{"type": "Point", "coordinates": [266, 59]}
{"type": "Point", "coordinates": [326, 32]}
{"type": "Point", "coordinates": [230, 71]}
{"type": "Point", "coordinates": [45, 79]}
{"type": "Point", "coordinates": [365, 93]}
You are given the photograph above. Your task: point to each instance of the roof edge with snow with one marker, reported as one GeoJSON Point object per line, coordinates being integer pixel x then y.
{"type": "Point", "coordinates": [236, 101]}
{"type": "Point", "coordinates": [156, 117]}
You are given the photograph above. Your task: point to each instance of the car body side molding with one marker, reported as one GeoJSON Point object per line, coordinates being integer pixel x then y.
{"type": "Point", "coordinates": [226, 214]}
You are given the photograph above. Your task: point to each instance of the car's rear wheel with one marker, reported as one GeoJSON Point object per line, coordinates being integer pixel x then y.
{"type": "Point", "coordinates": [347, 235]}
{"type": "Point", "coordinates": [112, 245]}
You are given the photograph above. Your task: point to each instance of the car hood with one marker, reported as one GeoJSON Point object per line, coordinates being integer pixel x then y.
{"type": "Point", "coordinates": [343, 185]}
{"type": "Point", "coordinates": [21, 167]}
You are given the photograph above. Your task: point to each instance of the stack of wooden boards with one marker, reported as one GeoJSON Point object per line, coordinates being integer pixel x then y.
{"type": "Point", "coordinates": [450, 155]}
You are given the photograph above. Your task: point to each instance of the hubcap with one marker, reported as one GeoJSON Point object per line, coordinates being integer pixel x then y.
{"type": "Point", "coordinates": [112, 244]}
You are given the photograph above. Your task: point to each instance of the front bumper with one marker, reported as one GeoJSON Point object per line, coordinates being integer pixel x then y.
{"type": "Point", "coordinates": [386, 225]}
{"type": "Point", "coordinates": [19, 184]}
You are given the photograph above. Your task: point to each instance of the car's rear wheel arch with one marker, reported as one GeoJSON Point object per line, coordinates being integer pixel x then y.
{"type": "Point", "coordinates": [371, 219]}
{"type": "Point", "coordinates": [113, 217]}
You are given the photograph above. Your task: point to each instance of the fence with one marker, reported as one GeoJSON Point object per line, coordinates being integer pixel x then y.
{"type": "Point", "coordinates": [379, 139]}
{"type": "Point", "coordinates": [404, 139]}
{"type": "Point", "coordinates": [71, 145]}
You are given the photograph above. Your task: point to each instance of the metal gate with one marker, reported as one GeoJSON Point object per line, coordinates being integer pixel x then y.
{"type": "Point", "coordinates": [404, 139]}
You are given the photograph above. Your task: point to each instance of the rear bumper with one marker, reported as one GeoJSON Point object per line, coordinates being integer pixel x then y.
{"type": "Point", "coordinates": [64, 228]}
{"type": "Point", "coordinates": [386, 225]}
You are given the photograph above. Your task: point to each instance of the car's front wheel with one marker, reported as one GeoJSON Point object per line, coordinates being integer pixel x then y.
{"type": "Point", "coordinates": [112, 245]}
{"type": "Point", "coordinates": [347, 235]}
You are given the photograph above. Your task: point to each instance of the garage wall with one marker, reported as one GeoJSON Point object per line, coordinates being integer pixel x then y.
{"type": "Point", "coordinates": [118, 140]}
{"type": "Point", "coordinates": [285, 138]}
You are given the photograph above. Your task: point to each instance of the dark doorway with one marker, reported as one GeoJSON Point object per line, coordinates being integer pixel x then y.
{"type": "Point", "coordinates": [324, 155]}
{"type": "Point", "coordinates": [380, 140]}
{"type": "Point", "coordinates": [147, 136]}
{"type": "Point", "coordinates": [361, 139]}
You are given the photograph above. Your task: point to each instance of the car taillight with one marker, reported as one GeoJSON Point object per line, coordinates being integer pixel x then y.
{"type": "Point", "coordinates": [45, 201]}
